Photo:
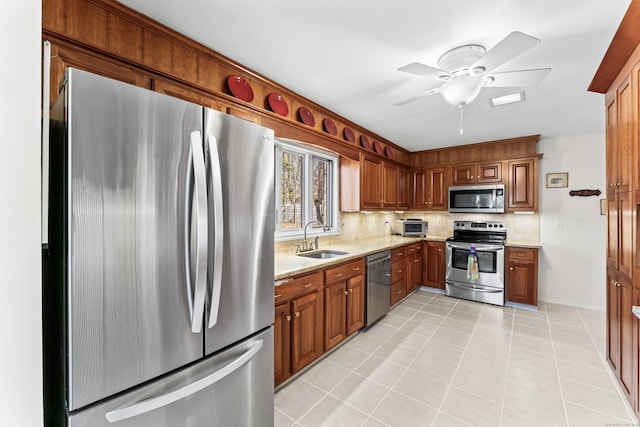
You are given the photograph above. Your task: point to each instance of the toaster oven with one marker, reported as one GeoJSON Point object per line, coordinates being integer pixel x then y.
{"type": "Point", "coordinates": [411, 227]}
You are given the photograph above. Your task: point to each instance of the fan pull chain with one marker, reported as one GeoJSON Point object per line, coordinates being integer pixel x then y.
{"type": "Point", "coordinates": [461, 131]}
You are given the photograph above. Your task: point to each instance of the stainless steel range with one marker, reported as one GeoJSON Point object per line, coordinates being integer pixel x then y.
{"type": "Point", "coordinates": [488, 238]}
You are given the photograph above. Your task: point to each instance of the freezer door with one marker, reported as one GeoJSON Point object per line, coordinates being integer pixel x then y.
{"type": "Point", "coordinates": [128, 303]}
{"type": "Point", "coordinates": [240, 158]}
{"type": "Point", "coordinates": [232, 388]}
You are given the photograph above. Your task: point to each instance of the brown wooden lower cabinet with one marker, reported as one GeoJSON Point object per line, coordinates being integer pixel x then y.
{"type": "Point", "coordinates": [335, 314]}
{"type": "Point", "coordinates": [434, 264]}
{"type": "Point", "coordinates": [620, 353]}
{"type": "Point", "coordinates": [298, 326]}
{"type": "Point", "coordinates": [398, 274]}
{"type": "Point", "coordinates": [414, 267]}
{"type": "Point", "coordinates": [344, 296]}
{"type": "Point", "coordinates": [521, 275]}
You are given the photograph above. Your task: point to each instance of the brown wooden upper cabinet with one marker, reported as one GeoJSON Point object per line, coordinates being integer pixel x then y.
{"type": "Point", "coordinates": [522, 185]}
{"type": "Point", "coordinates": [382, 184]}
{"type": "Point", "coordinates": [429, 189]}
{"type": "Point", "coordinates": [620, 139]}
{"type": "Point", "coordinates": [476, 173]}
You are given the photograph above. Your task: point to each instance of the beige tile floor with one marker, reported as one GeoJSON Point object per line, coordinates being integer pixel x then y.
{"type": "Point", "coordinates": [438, 361]}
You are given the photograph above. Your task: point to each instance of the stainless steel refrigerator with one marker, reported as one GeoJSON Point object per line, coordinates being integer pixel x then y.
{"type": "Point", "coordinates": [158, 296]}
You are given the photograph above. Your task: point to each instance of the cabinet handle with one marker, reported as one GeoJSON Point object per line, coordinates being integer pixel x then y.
{"type": "Point", "coordinates": [356, 269]}
{"type": "Point", "coordinates": [511, 268]}
{"type": "Point", "coordinates": [439, 250]}
{"type": "Point", "coordinates": [399, 292]}
{"type": "Point", "coordinates": [521, 254]}
{"type": "Point", "coordinates": [399, 271]}
{"type": "Point", "coordinates": [277, 296]}
{"type": "Point", "coordinates": [399, 253]}
{"type": "Point", "coordinates": [297, 314]}
{"type": "Point", "coordinates": [350, 289]}
{"type": "Point", "coordinates": [307, 285]}
{"type": "Point", "coordinates": [339, 275]}
{"type": "Point", "coordinates": [346, 293]}
{"type": "Point", "coordinates": [288, 318]}
{"type": "Point", "coordinates": [416, 260]}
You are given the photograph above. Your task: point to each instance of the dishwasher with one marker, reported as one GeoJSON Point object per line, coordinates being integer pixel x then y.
{"type": "Point", "coordinates": [378, 285]}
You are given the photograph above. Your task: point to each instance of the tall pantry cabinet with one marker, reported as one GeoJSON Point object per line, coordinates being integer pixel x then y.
{"type": "Point", "coordinates": [618, 78]}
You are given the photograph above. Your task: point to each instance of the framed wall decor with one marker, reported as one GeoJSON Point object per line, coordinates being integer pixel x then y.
{"type": "Point", "coordinates": [558, 180]}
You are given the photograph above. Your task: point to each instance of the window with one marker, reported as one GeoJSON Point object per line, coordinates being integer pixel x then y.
{"type": "Point", "coordinates": [306, 190]}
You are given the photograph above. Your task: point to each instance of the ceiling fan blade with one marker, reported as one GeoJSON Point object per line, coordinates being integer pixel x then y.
{"type": "Point", "coordinates": [510, 47]}
{"type": "Point", "coordinates": [520, 78]}
{"type": "Point", "coordinates": [415, 98]}
{"type": "Point", "coordinates": [423, 70]}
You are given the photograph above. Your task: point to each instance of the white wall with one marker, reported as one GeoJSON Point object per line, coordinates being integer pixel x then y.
{"type": "Point", "coordinates": [20, 261]}
{"type": "Point", "coordinates": [572, 259]}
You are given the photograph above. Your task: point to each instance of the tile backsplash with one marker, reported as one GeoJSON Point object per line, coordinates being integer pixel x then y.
{"type": "Point", "coordinates": [359, 225]}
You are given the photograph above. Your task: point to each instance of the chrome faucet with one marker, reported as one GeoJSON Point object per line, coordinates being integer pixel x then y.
{"type": "Point", "coordinates": [309, 247]}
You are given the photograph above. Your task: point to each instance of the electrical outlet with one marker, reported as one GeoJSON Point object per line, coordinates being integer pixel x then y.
{"type": "Point", "coordinates": [558, 225]}
{"type": "Point", "coordinates": [438, 221]}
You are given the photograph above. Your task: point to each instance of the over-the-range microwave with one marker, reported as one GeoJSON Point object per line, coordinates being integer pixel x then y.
{"type": "Point", "coordinates": [477, 199]}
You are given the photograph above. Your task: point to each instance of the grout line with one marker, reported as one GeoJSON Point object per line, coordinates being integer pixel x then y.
{"type": "Point", "coordinates": [555, 361]}
{"type": "Point", "coordinates": [504, 391]}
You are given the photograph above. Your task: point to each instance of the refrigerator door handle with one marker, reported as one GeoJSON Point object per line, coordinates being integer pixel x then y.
{"type": "Point", "coordinates": [218, 228]}
{"type": "Point", "coordinates": [196, 162]}
{"type": "Point", "coordinates": [173, 396]}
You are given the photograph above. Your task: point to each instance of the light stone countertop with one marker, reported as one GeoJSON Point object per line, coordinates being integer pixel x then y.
{"type": "Point", "coordinates": [523, 244]}
{"type": "Point", "coordinates": [290, 264]}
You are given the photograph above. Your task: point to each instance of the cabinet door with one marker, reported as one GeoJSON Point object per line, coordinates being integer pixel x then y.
{"type": "Point", "coordinates": [438, 189]}
{"type": "Point", "coordinates": [306, 337]}
{"type": "Point", "coordinates": [620, 350]}
{"type": "Point", "coordinates": [613, 321]}
{"type": "Point", "coordinates": [522, 276]}
{"type": "Point", "coordinates": [434, 264]}
{"type": "Point", "coordinates": [625, 297]}
{"type": "Point", "coordinates": [612, 230]}
{"type": "Point", "coordinates": [625, 233]}
{"type": "Point", "coordinates": [355, 304]}
{"type": "Point", "coordinates": [419, 189]}
{"type": "Point", "coordinates": [389, 186]}
{"type": "Point", "coordinates": [612, 146]}
{"type": "Point", "coordinates": [522, 184]}
{"type": "Point", "coordinates": [489, 173]}
{"type": "Point", "coordinates": [463, 174]}
{"type": "Point", "coordinates": [335, 322]}
{"type": "Point", "coordinates": [282, 343]}
{"type": "Point", "coordinates": [403, 189]}
{"type": "Point", "coordinates": [625, 138]}
{"type": "Point", "coordinates": [370, 182]}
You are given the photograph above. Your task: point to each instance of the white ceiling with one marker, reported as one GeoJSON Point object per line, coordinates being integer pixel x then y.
{"type": "Point", "coordinates": [344, 55]}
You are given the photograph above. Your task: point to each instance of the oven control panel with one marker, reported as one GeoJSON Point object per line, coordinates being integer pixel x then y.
{"type": "Point", "coordinates": [488, 226]}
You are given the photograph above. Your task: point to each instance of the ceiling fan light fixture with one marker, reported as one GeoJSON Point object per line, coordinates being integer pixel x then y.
{"type": "Point", "coordinates": [511, 98]}
{"type": "Point", "coordinates": [462, 90]}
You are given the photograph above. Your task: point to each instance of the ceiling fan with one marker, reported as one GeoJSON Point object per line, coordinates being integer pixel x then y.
{"type": "Point", "coordinates": [463, 71]}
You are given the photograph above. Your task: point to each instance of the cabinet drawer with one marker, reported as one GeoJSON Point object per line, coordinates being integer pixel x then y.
{"type": "Point", "coordinates": [414, 248]}
{"type": "Point", "coordinates": [398, 291]}
{"type": "Point", "coordinates": [398, 270]}
{"type": "Point", "coordinates": [344, 271]}
{"type": "Point", "coordinates": [398, 253]}
{"type": "Point", "coordinates": [298, 286]}
{"type": "Point", "coordinates": [515, 254]}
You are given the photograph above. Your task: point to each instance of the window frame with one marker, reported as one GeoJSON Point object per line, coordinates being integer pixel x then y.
{"type": "Point", "coordinates": [309, 153]}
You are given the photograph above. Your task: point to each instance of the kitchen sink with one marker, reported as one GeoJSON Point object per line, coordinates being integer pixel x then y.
{"type": "Point", "coordinates": [323, 254]}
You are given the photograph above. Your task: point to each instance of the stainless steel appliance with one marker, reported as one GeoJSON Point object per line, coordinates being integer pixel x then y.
{"type": "Point", "coordinates": [159, 305]}
{"type": "Point", "coordinates": [477, 199]}
{"type": "Point", "coordinates": [488, 237]}
{"type": "Point", "coordinates": [411, 227]}
{"type": "Point", "coordinates": [378, 286]}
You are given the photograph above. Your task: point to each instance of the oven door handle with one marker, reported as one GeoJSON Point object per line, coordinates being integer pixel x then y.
{"type": "Point", "coordinates": [476, 288]}
{"type": "Point", "coordinates": [479, 246]}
